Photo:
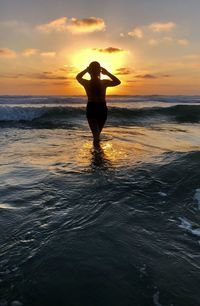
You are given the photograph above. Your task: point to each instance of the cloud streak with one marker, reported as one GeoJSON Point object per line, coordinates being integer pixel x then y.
{"type": "Point", "coordinates": [151, 76]}
{"type": "Point", "coordinates": [7, 53]}
{"type": "Point", "coordinates": [123, 71]}
{"type": "Point", "coordinates": [29, 52]}
{"type": "Point", "coordinates": [162, 26]}
{"type": "Point", "coordinates": [136, 33]}
{"type": "Point", "coordinates": [57, 25]}
{"type": "Point", "coordinates": [168, 40]}
{"type": "Point", "coordinates": [50, 54]}
{"type": "Point", "coordinates": [182, 42]}
{"type": "Point", "coordinates": [146, 76]}
{"type": "Point", "coordinates": [47, 76]}
{"type": "Point", "coordinates": [73, 25]}
{"type": "Point", "coordinates": [86, 25]}
{"type": "Point", "coordinates": [109, 50]}
{"type": "Point", "coordinates": [152, 29]}
{"type": "Point", "coordinates": [156, 33]}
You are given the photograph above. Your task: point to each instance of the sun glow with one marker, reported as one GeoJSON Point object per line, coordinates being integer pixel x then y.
{"type": "Point", "coordinates": [110, 61]}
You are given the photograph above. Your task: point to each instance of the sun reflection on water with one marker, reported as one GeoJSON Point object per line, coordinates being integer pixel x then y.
{"type": "Point", "coordinates": [64, 152]}
{"type": "Point", "coordinates": [102, 153]}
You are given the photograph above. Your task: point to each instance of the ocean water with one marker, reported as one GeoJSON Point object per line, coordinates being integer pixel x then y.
{"type": "Point", "coordinates": [113, 225]}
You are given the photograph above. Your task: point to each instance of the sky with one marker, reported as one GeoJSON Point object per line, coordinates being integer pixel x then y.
{"type": "Point", "coordinates": [152, 46]}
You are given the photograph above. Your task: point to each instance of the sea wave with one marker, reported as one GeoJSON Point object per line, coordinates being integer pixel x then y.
{"type": "Point", "coordinates": [44, 114]}
{"type": "Point", "coordinates": [40, 99]}
{"type": "Point", "coordinates": [29, 113]}
{"type": "Point", "coordinates": [110, 98]}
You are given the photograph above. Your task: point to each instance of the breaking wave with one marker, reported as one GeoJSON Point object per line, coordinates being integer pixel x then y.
{"type": "Point", "coordinates": [40, 114]}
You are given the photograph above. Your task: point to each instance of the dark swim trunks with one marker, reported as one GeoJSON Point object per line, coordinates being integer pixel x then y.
{"type": "Point", "coordinates": [96, 110]}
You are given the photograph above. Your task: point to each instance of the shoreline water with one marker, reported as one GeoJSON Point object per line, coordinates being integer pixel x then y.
{"type": "Point", "coordinates": [114, 225]}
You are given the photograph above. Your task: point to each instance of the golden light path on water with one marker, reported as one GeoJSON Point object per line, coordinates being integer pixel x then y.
{"type": "Point", "coordinates": [61, 153]}
{"type": "Point", "coordinates": [60, 150]}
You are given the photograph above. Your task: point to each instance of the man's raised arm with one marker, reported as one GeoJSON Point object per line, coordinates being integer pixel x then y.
{"type": "Point", "coordinates": [115, 81]}
{"type": "Point", "coordinates": [80, 75]}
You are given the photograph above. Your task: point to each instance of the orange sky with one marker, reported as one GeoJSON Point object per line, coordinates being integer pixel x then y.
{"type": "Point", "coordinates": [157, 54]}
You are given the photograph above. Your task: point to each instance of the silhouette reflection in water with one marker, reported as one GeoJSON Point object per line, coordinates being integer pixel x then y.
{"type": "Point", "coordinates": [99, 159]}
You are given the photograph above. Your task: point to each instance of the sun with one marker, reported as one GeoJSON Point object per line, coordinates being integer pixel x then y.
{"type": "Point", "coordinates": [110, 61]}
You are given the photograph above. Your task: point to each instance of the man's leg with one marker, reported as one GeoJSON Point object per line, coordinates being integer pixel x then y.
{"type": "Point", "coordinates": [94, 126]}
{"type": "Point", "coordinates": [101, 124]}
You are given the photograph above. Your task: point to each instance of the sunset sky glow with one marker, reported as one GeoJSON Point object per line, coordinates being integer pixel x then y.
{"type": "Point", "coordinates": [153, 46]}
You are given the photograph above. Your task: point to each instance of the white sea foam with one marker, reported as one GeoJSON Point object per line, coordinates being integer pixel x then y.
{"type": "Point", "coordinates": [16, 303]}
{"type": "Point", "coordinates": [162, 194]}
{"type": "Point", "coordinates": [8, 113]}
{"type": "Point", "coordinates": [185, 224]}
{"type": "Point", "coordinates": [197, 197]}
{"type": "Point", "coordinates": [143, 271]}
{"type": "Point", "coordinates": [156, 299]}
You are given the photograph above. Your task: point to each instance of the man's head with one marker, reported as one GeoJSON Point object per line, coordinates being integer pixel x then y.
{"type": "Point", "coordinates": [94, 69]}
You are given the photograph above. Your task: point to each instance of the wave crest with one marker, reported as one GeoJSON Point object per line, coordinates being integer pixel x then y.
{"type": "Point", "coordinates": [44, 114]}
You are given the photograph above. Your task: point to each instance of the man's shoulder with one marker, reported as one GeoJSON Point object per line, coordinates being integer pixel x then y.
{"type": "Point", "coordinates": [84, 82]}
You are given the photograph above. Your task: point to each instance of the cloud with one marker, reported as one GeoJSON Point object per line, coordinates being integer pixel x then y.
{"type": "Point", "coordinates": [15, 26]}
{"type": "Point", "coordinates": [86, 25]}
{"type": "Point", "coordinates": [151, 29]}
{"type": "Point", "coordinates": [48, 54]}
{"type": "Point", "coordinates": [73, 25]}
{"type": "Point", "coordinates": [162, 27]}
{"type": "Point", "coordinates": [182, 42]}
{"type": "Point", "coordinates": [57, 25]}
{"type": "Point", "coordinates": [7, 53]}
{"type": "Point", "coordinates": [109, 50]}
{"type": "Point", "coordinates": [68, 68]}
{"type": "Point", "coordinates": [47, 76]}
{"type": "Point", "coordinates": [29, 52]}
{"type": "Point", "coordinates": [9, 24]}
{"type": "Point", "coordinates": [123, 71]}
{"type": "Point", "coordinates": [153, 42]}
{"type": "Point", "coordinates": [151, 76]}
{"type": "Point", "coordinates": [168, 40]}
{"type": "Point", "coordinates": [137, 33]}
{"type": "Point", "coordinates": [11, 75]}
{"type": "Point", "coordinates": [62, 83]}
{"type": "Point", "coordinates": [192, 56]}
{"type": "Point", "coordinates": [146, 76]}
